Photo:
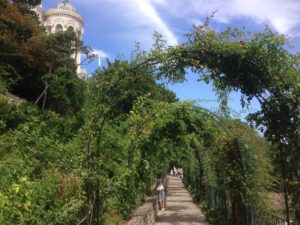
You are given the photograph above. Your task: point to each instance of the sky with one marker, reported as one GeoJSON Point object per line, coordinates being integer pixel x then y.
{"type": "Point", "coordinates": [112, 27]}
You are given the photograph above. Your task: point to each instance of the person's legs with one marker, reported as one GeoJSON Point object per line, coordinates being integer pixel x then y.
{"type": "Point", "coordinates": [161, 205]}
{"type": "Point", "coordinates": [163, 200]}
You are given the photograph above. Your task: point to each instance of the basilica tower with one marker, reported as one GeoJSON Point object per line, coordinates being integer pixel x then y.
{"type": "Point", "coordinates": [65, 17]}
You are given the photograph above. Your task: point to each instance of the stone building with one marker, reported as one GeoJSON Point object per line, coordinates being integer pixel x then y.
{"type": "Point", "coordinates": [64, 17]}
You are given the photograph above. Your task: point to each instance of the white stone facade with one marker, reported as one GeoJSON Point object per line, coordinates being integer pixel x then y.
{"type": "Point", "coordinates": [62, 18]}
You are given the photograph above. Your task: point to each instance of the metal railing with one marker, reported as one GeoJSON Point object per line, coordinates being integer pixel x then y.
{"type": "Point", "coordinates": [223, 207]}
{"type": "Point", "coordinates": [259, 217]}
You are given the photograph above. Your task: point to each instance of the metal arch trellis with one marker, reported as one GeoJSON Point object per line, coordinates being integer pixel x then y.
{"type": "Point", "coordinates": [190, 56]}
{"type": "Point", "coordinates": [102, 113]}
{"type": "Point", "coordinates": [184, 54]}
{"type": "Point", "coordinates": [191, 61]}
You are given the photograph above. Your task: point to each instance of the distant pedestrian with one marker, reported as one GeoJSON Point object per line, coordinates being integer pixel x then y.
{"type": "Point", "coordinates": [175, 171]}
{"type": "Point", "coordinates": [180, 170]}
{"type": "Point", "coordinates": [161, 189]}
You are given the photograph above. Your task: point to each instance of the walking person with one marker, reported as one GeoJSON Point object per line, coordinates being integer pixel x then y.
{"type": "Point", "coordinates": [160, 188]}
{"type": "Point", "coordinates": [175, 171]}
{"type": "Point", "coordinates": [171, 172]}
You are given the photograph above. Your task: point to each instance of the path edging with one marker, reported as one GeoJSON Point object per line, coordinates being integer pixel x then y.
{"type": "Point", "coordinates": [146, 214]}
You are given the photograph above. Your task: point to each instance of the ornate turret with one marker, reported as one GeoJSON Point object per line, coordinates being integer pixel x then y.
{"type": "Point", "coordinates": [62, 18]}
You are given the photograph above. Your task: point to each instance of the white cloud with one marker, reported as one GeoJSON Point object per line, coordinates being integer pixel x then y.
{"type": "Point", "coordinates": [100, 53]}
{"type": "Point", "coordinates": [284, 16]}
{"type": "Point", "coordinates": [160, 2]}
{"type": "Point", "coordinates": [136, 20]}
{"type": "Point", "coordinates": [139, 15]}
{"type": "Point", "coordinates": [151, 15]}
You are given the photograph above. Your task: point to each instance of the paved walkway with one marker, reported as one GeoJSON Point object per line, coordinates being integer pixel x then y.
{"type": "Point", "coordinates": [180, 208]}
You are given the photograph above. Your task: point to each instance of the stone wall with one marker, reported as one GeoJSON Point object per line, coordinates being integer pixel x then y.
{"type": "Point", "coordinates": [146, 214]}
{"type": "Point", "coordinates": [14, 99]}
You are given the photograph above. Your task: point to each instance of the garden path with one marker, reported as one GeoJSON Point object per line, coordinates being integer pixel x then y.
{"type": "Point", "coordinates": [180, 208]}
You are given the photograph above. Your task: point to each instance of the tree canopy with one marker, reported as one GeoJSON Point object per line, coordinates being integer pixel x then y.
{"type": "Point", "coordinates": [30, 59]}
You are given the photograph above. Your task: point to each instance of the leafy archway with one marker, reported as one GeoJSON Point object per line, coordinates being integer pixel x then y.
{"type": "Point", "coordinates": [136, 138]}
{"type": "Point", "coordinates": [147, 136]}
{"type": "Point", "coordinates": [259, 66]}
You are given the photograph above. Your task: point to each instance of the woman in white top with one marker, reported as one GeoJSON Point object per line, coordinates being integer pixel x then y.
{"type": "Point", "coordinates": [161, 189]}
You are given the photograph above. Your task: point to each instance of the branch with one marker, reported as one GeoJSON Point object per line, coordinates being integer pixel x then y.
{"type": "Point", "coordinates": [38, 99]}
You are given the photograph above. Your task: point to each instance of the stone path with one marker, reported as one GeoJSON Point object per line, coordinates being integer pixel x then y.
{"type": "Point", "coordinates": [180, 208]}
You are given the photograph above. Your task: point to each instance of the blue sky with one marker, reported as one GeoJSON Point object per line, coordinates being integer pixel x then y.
{"type": "Point", "coordinates": [113, 26]}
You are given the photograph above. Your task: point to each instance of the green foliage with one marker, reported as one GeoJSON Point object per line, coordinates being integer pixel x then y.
{"type": "Point", "coordinates": [258, 65]}
{"type": "Point", "coordinates": [29, 58]}
{"type": "Point", "coordinates": [65, 91]}
{"type": "Point", "coordinates": [28, 2]}
{"type": "Point", "coordinates": [17, 33]}
{"type": "Point", "coordinates": [60, 46]}
{"type": "Point", "coordinates": [242, 165]}
{"type": "Point", "coordinates": [37, 186]}
{"type": "Point", "coordinates": [95, 164]}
